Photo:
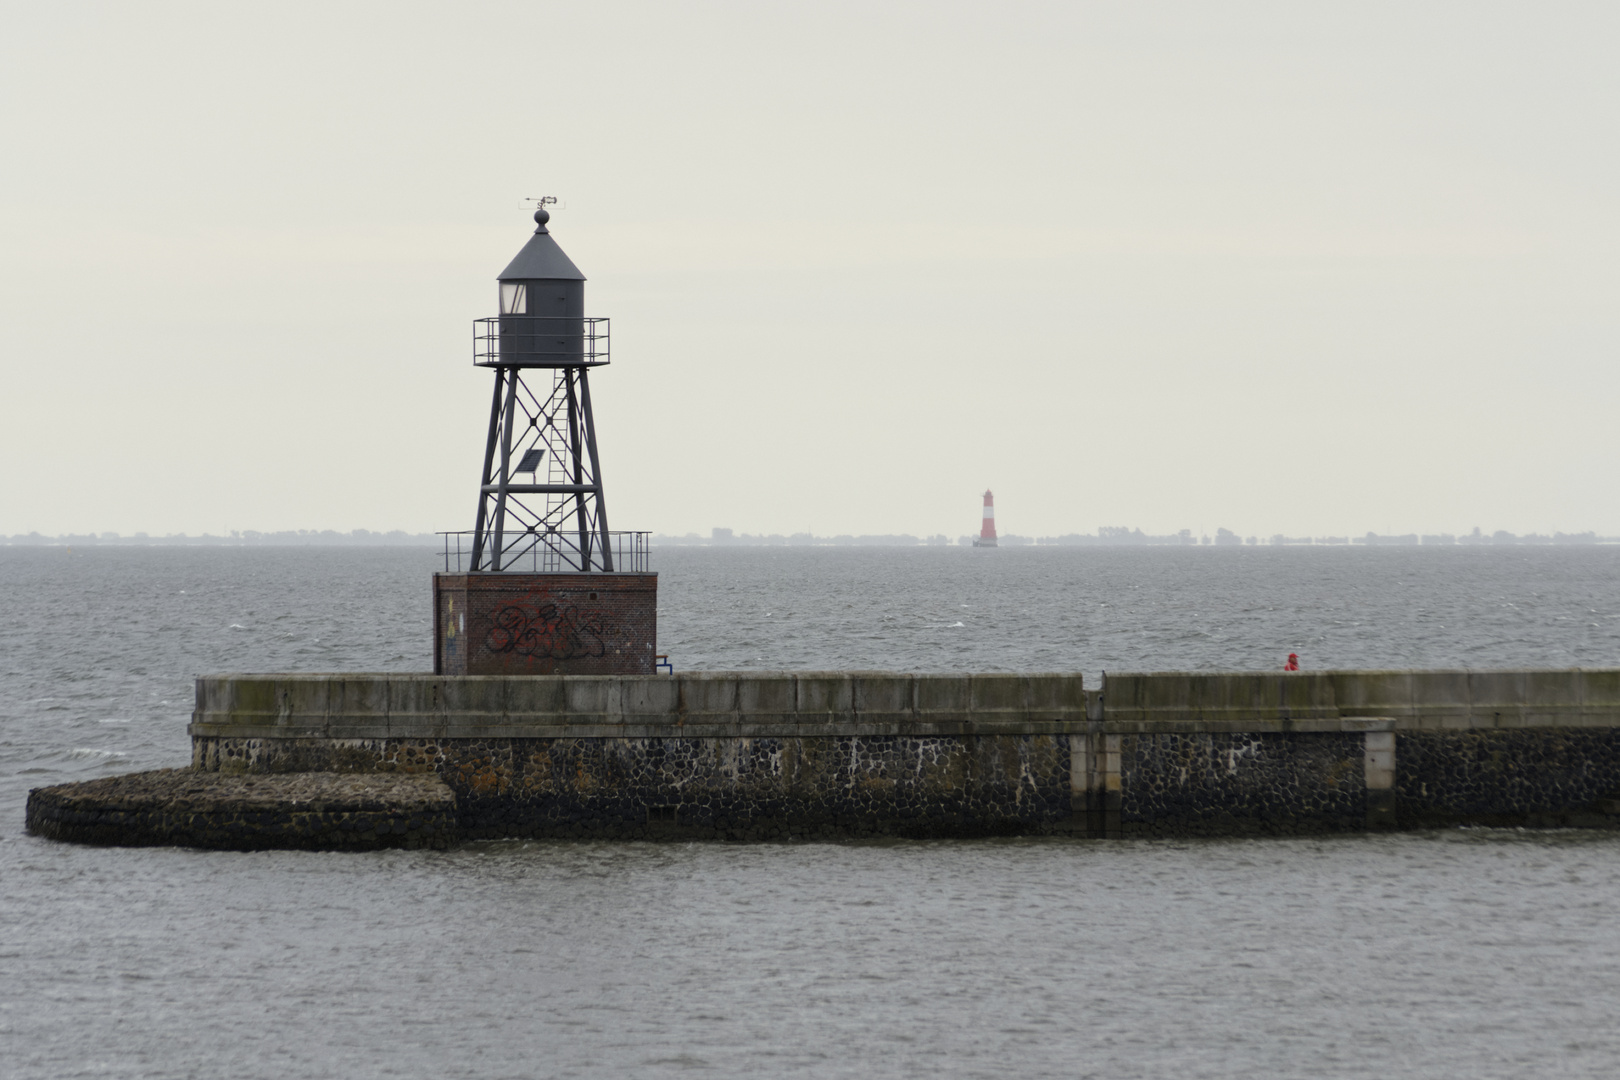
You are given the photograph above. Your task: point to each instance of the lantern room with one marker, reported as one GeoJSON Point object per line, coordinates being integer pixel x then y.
{"type": "Point", "coordinates": [542, 321]}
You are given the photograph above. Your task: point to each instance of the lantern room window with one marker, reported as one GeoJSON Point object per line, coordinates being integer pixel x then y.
{"type": "Point", "coordinates": [514, 299]}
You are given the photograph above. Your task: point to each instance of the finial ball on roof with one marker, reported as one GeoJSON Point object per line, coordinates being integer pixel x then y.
{"type": "Point", "coordinates": [541, 216]}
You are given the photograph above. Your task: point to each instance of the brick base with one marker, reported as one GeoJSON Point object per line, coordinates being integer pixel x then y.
{"type": "Point", "coordinates": [544, 624]}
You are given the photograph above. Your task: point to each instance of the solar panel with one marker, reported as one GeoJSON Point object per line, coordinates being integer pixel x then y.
{"type": "Point", "coordinates": [531, 460]}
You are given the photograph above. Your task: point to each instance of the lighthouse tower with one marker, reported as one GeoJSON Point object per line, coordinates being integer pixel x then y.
{"type": "Point", "coordinates": [987, 532]}
{"type": "Point", "coordinates": [539, 586]}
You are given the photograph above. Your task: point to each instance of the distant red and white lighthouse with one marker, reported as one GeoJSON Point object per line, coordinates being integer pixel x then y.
{"type": "Point", "coordinates": [987, 532]}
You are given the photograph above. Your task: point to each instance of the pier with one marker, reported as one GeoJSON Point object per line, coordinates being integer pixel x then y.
{"type": "Point", "coordinates": [779, 755]}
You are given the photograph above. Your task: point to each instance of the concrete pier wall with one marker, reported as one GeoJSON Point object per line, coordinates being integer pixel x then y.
{"type": "Point", "coordinates": [760, 755]}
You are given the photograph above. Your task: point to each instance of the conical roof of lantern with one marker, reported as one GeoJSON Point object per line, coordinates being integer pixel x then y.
{"type": "Point", "coordinates": [541, 258]}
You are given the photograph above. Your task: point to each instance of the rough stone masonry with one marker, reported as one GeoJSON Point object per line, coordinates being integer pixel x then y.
{"type": "Point", "coordinates": [835, 754]}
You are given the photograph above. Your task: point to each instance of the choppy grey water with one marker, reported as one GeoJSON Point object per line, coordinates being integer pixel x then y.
{"type": "Point", "coordinates": [1468, 953]}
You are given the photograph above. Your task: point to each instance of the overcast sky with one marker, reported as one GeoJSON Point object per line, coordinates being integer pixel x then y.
{"type": "Point", "coordinates": [1301, 268]}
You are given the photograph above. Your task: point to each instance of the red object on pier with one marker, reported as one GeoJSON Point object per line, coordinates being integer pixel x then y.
{"type": "Point", "coordinates": [987, 531]}
{"type": "Point", "coordinates": [1293, 662]}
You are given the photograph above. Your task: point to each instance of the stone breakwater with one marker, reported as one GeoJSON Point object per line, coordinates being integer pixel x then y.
{"type": "Point", "coordinates": [751, 788]}
{"type": "Point", "coordinates": [828, 754]}
{"type": "Point", "coordinates": [771, 754]}
{"type": "Point", "coordinates": [185, 807]}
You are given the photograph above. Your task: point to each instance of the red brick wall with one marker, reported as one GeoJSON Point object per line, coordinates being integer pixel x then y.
{"type": "Point", "coordinates": [544, 624]}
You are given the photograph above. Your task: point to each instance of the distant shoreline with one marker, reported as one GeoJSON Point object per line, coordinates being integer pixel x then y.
{"type": "Point", "coordinates": [724, 538]}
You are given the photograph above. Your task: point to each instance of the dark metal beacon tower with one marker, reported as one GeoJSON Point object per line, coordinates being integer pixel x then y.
{"type": "Point", "coordinates": [540, 585]}
{"type": "Point", "coordinates": [560, 524]}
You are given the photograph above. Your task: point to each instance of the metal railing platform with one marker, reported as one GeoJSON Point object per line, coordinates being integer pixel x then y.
{"type": "Point", "coordinates": [541, 552]}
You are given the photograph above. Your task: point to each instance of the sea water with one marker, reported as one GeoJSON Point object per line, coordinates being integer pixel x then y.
{"type": "Point", "coordinates": [1458, 953]}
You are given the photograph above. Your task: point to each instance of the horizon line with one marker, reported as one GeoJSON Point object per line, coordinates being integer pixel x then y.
{"type": "Point", "coordinates": [1106, 536]}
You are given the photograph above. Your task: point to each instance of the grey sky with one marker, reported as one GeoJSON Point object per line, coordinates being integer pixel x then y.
{"type": "Point", "coordinates": [1302, 268]}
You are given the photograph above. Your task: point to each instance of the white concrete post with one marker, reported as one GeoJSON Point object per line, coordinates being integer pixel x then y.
{"type": "Point", "coordinates": [1379, 759]}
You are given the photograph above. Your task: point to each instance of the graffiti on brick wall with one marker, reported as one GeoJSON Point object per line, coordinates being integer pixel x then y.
{"type": "Point", "coordinates": [549, 632]}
